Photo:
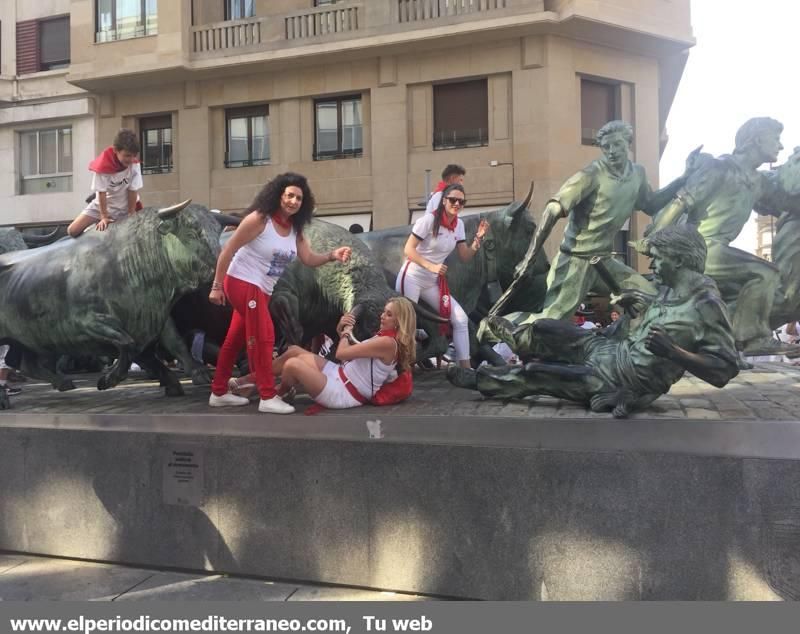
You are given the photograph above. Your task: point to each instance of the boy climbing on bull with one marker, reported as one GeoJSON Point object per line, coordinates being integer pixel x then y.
{"type": "Point", "coordinates": [116, 181]}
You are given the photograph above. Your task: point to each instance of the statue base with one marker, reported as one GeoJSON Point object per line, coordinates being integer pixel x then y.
{"type": "Point", "coordinates": [444, 495]}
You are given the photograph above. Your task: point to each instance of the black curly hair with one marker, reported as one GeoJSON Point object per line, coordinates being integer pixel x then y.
{"type": "Point", "coordinates": [268, 201]}
{"type": "Point", "coordinates": [437, 222]}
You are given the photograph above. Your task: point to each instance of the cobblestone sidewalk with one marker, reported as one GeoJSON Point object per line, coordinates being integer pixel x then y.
{"type": "Point", "coordinates": [770, 392]}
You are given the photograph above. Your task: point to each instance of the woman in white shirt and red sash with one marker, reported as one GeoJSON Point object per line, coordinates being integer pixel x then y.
{"type": "Point", "coordinates": [423, 275]}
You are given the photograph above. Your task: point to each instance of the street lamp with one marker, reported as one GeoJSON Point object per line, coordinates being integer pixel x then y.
{"type": "Point", "coordinates": [513, 179]}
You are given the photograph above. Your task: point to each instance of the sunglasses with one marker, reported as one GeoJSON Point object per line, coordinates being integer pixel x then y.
{"type": "Point", "coordinates": [457, 201]}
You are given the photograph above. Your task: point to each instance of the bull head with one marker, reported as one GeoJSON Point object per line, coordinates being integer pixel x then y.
{"type": "Point", "coordinates": [168, 215]}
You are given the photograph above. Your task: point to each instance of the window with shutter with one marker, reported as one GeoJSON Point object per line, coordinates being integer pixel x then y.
{"type": "Point", "coordinates": [54, 43]}
{"type": "Point", "coordinates": [27, 47]}
{"type": "Point", "coordinates": [600, 103]}
{"type": "Point", "coordinates": [461, 115]}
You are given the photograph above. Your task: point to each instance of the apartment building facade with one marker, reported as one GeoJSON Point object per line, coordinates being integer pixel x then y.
{"type": "Point", "coordinates": [365, 97]}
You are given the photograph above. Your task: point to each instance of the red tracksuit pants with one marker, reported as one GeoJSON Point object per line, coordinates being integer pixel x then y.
{"type": "Point", "coordinates": [251, 325]}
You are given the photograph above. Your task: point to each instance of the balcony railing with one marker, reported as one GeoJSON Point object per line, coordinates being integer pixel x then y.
{"type": "Point", "coordinates": [324, 21]}
{"type": "Point", "coordinates": [418, 10]}
{"type": "Point", "coordinates": [220, 36]}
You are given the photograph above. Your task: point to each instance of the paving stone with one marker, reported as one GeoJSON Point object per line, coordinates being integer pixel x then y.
{"type": "Point", "coordinates": [172, 586]}
{"type": "Point", "coordinates": [694, 403]}
{"type": "Point", "coordinates": [56, 579]}
{"type": "Point", "coordinates": [310, 593]}
{"type": "Point", "coordinates": [701, 414]}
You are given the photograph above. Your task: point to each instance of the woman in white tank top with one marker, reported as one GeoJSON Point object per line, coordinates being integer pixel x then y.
{"type": "Point", "coordinates": [365, 366]}
{"type": "Point", "coordinates": [257, 254]}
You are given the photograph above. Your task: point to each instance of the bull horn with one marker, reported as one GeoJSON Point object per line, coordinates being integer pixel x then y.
{"type": "Point", "coordinates": [171, 212]}
{"type": "Point", "coordinates": [527, 201]}
{"type": "Point", "coordinates": [429, 314]}
{"type": "Point", "coordinates": [37, 241]}
{"type": "Point", "coordinates": [227, 221]}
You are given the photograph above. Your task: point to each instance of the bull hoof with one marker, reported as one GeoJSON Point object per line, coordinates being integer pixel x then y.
{"type": "Point", "coordinates": [462, 377]}
{"type": "Point", "coordinates": [65, 386]}
{"type": "Point", "coordinates": [106, 382]}
{"type": "Point", "coordinates": [173, 390]}
{"type": "Point", "coordinates": [5, 402]}
{"type": "Point", "coordinates": [201, 376]}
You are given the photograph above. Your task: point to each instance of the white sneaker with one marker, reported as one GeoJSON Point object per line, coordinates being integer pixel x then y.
{"type": "Point", "coordinates": [227, 400]}
{"type": "Point", "coordinates": [274, 405]}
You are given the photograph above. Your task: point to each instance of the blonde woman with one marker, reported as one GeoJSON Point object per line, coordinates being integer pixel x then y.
{"type": "Point", "coordinates": [365, 366]}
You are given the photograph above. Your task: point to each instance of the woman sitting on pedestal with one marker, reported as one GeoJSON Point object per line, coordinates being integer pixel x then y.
{"type": "Point", "coordinates": [365, 366]}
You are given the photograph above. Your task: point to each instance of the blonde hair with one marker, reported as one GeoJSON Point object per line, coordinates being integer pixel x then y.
{"type": "Point", "coordinates": [406, 336]}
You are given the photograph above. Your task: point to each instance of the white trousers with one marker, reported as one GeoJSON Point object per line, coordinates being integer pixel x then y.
{"type": "Point", "coordinates": [415, 282]}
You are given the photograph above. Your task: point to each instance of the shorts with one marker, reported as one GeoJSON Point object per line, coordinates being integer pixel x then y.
{"type": "Point", "coordinates": [335, 395]}
{"type": "Point", "coordinates": [113, 214]}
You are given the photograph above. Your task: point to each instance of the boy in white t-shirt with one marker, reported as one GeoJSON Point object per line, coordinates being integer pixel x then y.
{"type": "Point", "coordinates": [116, 182]}
{"type": "Point", "coordinates": [451, 175]}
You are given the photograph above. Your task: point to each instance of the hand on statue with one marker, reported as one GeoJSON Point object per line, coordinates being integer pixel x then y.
{"type": "Point", "coordinates": [659, 342]}
{"type": "Point", "coordinates": [103, 224]}
{"type": "Point", "coordinates": [342, 254]}
{"type": "Point", "coordinates": [217, 297]}
{"type": "Point", "coordinates": [483, 229]}
{"type": "Point", "coordinates": [630, 297]}
{"type": "Point", "coordinates": [346, 324]}
{"type": "Point", "coordinates": [439, 269]}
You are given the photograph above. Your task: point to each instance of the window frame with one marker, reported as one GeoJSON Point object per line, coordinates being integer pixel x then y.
{"type": "Point", "coordinates": [39, 176]}
{"type": "Point", "coordinates": [339, 153]}
{"type": "Point", "coordinates": [113, 34]}
{"type": "Point", "coordinates": [249, 113]}
{"type": "Point", "coordinates": [482, 139]}
{"type": "Point", "coordinates": [228, 13]}
{"type": "Point", "coordinates": [162, 168]}
{"type": "Point", "coordinates": [55, 64]}
{"type": "Point", "coordinates": [616, 88]}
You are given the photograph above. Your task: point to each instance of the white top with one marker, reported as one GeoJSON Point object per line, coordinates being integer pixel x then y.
{"type": "Point", "coordinates": [434, 249]}
{"type": "Point", "coordinates": [358, 371]}
{"type": "Point", "coordinates": [264, 259]}
{"type": "Point", "coordinates": [116, 187]}
{"type": "Point", "coordinates": [433, 201]}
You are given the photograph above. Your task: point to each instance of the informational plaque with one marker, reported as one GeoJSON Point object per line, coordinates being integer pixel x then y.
{"type": "Point", "coordinates": [183, 466]}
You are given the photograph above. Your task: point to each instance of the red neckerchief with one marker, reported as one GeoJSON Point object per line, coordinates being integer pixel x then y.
{"type": "Point", "coordinates": [447, 221]}
{"type": "Point", "coordinates": [440, 187]}
{"type": "Point", "coordinates": [107, 162]}
{"type": "Point", "coordinates": [278, 219]}
{"type": "Point", "coordinates": [387, 333]}
{"type": "Point", "coordinates": [444, 305]}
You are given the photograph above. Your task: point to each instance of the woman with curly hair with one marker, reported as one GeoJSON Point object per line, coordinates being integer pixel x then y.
{"type": "Point", "coordinates": [365, 366]}
{"type": "Point", "coordinates": [256, 255]}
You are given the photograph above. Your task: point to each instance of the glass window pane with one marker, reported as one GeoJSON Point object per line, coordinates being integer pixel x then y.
{"type": "Point", "coordinates": [54, 43]}
{"type": "Point", "coordinates": [104, 15]}
{"type": "Point", "coordinates": [48, 151]}
{"type": "Point", "coordinates": [29, 154]}
{"type": "Point", "coordinates": [129, 18]}
{"type": "Point", "coordinates": [166, 149]}
{"type": "Point", "coordinates": [327, 124]}
{"type": "Point", "coordinates": [260, 139]}
{"type": "Point", "coordinates": [65, 143]}
{"type": "Point", "coordinates": [237, 140]}
{"type": "Point", "coordinates": [152, 149]}
{"type": "Point", "coordinates": [249, 8]}
{"type": "Point", "coordinates": [151, 17]}
{"type": "Point", "coordinates": [351, 125]}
